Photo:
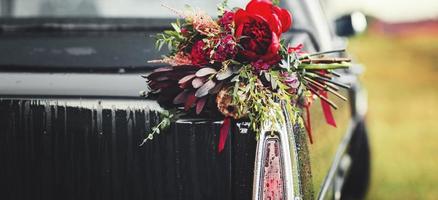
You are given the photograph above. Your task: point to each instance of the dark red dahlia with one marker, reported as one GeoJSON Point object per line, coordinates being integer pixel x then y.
{"type": "Point", "coordinates": [226, 21]}
{"type": "Point", "coordinates": [226, 49]}
{"type": "Point", "coordinates": [260, 65]}
{"type": "Point", "coordinates": [199, 54]}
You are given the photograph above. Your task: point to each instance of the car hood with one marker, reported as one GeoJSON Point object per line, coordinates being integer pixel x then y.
{"type": "Point", "coordinates": [117, 85]}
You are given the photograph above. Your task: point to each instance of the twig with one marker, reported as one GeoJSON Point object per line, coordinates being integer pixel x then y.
{"type": "Point", "coordinates": [326, 88]}
{"type": "Point", "coordinates": [322, 53]}
{"type": "Point", "coordinates": [334, 73]}
{"type": "Point", "coordinates": [177, 12]}
{"type": "Point", "coordinates": [316, 73]}
{"type": "Point", "coordinates": [313, 66]}
{"type": "Point", "coordinates": [311, 76]}
{"type": "Point", "coordinates": [331, 85]}
{"type": "Point", "coordinates": [333, 105]}
{"type": "Point", "coordinates": [334, 82]}
{"type": "Point", "coordinates": [325, 60]}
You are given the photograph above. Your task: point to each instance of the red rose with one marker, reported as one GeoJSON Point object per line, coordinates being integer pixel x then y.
{"type": "Point", "coordinates": [259, 28]}
{"type": "Point", "coordinates": [199, 54]}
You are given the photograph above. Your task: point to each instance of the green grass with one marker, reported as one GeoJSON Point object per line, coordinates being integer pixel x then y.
{"type": "Point", "coordinates": [402, 81]}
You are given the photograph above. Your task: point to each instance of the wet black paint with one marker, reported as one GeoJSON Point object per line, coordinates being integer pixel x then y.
{"type": "Point", "coordinates": [54, 151]}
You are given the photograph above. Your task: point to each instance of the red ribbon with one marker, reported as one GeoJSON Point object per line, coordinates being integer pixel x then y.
{"type": "Point", "coordinates": [307, 124]}
{"type": "Point", "coordinates": [225, 129]}
{"type": "Point", "coordinates": [326, 109]}
{"type": "Point", "coordinates": [295, 49]}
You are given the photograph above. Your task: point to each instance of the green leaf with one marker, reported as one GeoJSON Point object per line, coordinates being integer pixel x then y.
{"type": "Point", "coordinates": [274, 82]}
{"type": "Point", "coordinates": [235, 79]}
{"type": "Point", "coordinates": [176, 27]}
{"type": "Point", "coordinates": [168, 32]}
{"type": "Point", "coordinates": [235, 62]}
{"type": "Point", "coordinates": [267, 76]}
{"type": "Point", "coordinates": [160, 45]}
{"type": "Point", "coordinates": [235, 89]}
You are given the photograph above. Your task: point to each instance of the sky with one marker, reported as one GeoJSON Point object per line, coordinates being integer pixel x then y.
{"type": "Point", "coordinates": [388, 10]}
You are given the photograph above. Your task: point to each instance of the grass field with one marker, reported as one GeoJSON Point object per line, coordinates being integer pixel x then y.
{"type": "Point", "coordinates": [402, 81]}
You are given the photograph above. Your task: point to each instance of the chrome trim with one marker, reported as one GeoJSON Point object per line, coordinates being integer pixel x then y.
{"type": "Point", "coordinates": [359, 109]}
{"type": "Point", "coordinates": [296, 163]}
{"type": "Point", "coordinates": [279, 131]}
{"type": "Point", "coordinates": [339, 180]}
{"type": "Point", "coordinates": [71, 84]}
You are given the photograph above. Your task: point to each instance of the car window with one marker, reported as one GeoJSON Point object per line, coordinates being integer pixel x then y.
{"type": "Point", "coordinates": [107, 8]}
{"type": "Point", "coordinates": [94, 34]}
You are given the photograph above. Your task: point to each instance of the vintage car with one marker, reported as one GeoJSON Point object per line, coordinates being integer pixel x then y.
{"type": "Point", "coordinates": [72, 119]}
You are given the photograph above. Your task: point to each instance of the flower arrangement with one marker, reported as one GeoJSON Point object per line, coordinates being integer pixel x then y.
{"type": "Point", "coordinates": [237, 66]}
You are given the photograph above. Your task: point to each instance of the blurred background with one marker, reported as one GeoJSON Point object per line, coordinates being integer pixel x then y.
{"type": "Point", "coordinates": [400, 53]}
{"type": "Point", "coordinates": [399, 50]}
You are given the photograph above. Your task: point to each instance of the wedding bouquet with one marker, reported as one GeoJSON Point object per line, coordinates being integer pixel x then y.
{"type": "Point", "coordinates": [238, 67]}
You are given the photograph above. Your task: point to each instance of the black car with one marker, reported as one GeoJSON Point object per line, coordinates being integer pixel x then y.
{"type": "Point", "coordinates": [72, 119]}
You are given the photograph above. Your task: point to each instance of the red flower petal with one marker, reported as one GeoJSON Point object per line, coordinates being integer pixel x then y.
{"type": "Point", "coordinates": [273, 48]}
{"type": "Point", "coordinates": [239, 18]}
{"type": "Point", "coordinates": [239, 31]}
{"type": "Point", "coordinates": [286, 19]}
{"type": "Point", "coordinates": [270, 13]}
{"type": "Point", "coordinates": [261, 8]}
{"type": "Point", "coordinates": [275, 24]}
{"type": "Point", "coordinates": [261, 12]}
{"type": "Point", "coordinates": [254, 5]}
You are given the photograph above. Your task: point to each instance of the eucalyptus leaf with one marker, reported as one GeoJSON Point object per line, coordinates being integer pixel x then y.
{"type": "Point", "coordinates": [200, 105]}
{"type": "Point", "coordinates": [216, 88]}
{"type": "Point", "coordinates": [181, 97]}
{"type": "Point", "coordinates": [224, 74]}
{"type": "Point", "coordinates": [205, 71]}
{"type": "Point", "coordinates": [235, 69]}
{"type": "Point", "coordinates": [186, 78]}
{"type": "Point", "coordinates": [197, 82]}
{"type": "Point", "coordinates": [202, 91]}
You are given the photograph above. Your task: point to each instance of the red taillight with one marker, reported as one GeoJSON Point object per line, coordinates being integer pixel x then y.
{"type": "Point", "coordinates": [273, 183]}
